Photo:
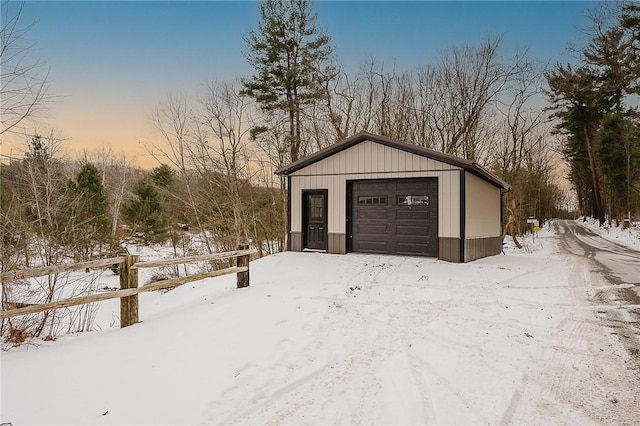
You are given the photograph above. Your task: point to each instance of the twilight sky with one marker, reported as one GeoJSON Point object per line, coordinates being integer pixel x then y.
{"type": "Point", "coordinates": [111, 63]}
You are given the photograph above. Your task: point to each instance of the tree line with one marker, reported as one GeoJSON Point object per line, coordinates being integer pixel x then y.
{"type": "Point", "coordinates": [216, 153]}
{"type": "Point", "coordinates": [595, 104]}
{"type": "Point", "coordinates": [56, 210]}
{"type": "Point", "coordinates": [214, 187]}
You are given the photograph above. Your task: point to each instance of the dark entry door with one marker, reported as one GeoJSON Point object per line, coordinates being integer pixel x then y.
{"type": "Point", "coordinates": [315, 219]}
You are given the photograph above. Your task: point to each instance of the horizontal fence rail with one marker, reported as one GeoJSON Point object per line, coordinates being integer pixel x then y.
{"type": "Point", "coordinates": [175, 282]}
{"type": "Point", "coordinates": [82, 300]}
{"type": "Point", "coordinates": [57, 269]}
{"type": "Point", "coordinates": [191, 259]}
{"type": "Point", "coordinates": [129, 290]}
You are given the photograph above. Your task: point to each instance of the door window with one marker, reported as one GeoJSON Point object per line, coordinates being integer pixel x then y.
{"type": "Point", "coordinates": [316, 208]}
{"type": "Point", "coordinates": [413, 200]}
{"type": "Point", "coordinates": [380, 200]}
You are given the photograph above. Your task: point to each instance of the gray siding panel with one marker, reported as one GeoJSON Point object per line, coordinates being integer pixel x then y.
{"type": "Point", "coordinates": [478, 248]}
{"type": "Point", "coordinates": [449, 249]}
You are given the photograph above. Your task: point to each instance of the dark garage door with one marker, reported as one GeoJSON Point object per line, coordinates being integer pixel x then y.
{"type": "Point", "coordinates": [396, 216]}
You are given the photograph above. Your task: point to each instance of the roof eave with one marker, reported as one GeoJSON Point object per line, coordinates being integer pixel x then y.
{"type": "Point", "coordinates": [481, 172]}
{"type": "Point", "coordinates": [468, 165]}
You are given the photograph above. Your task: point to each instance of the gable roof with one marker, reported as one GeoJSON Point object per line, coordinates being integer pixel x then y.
{"type": "Point", "coordinates": [468, 165]}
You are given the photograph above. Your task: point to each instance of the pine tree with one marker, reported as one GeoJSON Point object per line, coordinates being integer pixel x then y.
{"type": "Point", "coordinates": [162, 175]}
{"type": "Point", "coordinates": [612, 57]}
{"type": "Point", "coordinates": [93, 196]}
{"type": "Point", "coordinates": [592, 103]}
{"type": "Point", "coordinates": [575, 99]}
{"type": "Point", "coordinates": [630, 22]}
{"type": "Point", "coordinates": [290, 56]}
{"type": "Point", "coordinates": [90, 210]}
{"type": "Point", "coordinates": [144, 212]}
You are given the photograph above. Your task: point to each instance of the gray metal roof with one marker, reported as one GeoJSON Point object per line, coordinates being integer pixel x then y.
{"type": "Point", "coordinates": [468, 165]}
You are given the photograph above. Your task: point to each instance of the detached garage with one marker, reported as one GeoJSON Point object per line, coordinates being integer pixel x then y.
{"type": "Point", "coordinates": [372, 194]}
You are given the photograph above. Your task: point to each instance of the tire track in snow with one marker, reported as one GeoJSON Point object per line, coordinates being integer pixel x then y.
{"type": "Point", "coordinates": [582, 383]}
{"type": "Point", "coordinates": [353, 384]}
{"type": "Point", "coordinates": [467, 410]}
{"type": "Point", "coordinates": [545, 390]}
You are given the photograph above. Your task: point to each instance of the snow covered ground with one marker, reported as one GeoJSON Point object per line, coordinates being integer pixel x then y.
{"type": "Point", "coordinates": [344, 339]}
{"type": "Point", "coordinates": [629, 237]}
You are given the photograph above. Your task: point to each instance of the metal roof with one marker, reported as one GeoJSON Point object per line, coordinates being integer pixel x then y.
{"type": "Point", "coordinates": [468, 165]}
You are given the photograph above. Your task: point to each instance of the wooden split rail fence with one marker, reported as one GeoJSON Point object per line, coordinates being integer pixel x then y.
{"type": "Point", "coordinates": [129, 290]}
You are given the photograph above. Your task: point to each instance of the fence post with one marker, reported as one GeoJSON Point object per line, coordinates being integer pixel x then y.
{"type": "Point", "coordinates": [128, 279]}
{"type": "Point", "coordinates": [243, 277]}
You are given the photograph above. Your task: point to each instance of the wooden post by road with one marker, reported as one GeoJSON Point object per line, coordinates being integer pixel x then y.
{"type": "Point", "coordinates": [128, 279]}
{"type": "Point", "coordinates": [243, 277]}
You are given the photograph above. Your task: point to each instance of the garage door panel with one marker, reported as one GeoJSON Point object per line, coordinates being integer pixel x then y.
{"type": "Point", "coordinates": [409, 231]}
{"type": "Point", "coordinates": [368, 213]}
{"type": "Point", "coordinates": [412, 215]}
{"type": "Point", "coordinates": [380, 230]}
{"type": "Point", "coordinates": [428, 224]}
{"type": "Point", "coordinates": [407, 209]}
{"type": "Point", "coordinates": [412, 249]}
{"type": "Point", "coordinates": [373, 246]}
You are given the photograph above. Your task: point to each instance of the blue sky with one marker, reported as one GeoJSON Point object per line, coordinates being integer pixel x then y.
{"type": "Point", "coordinates": [110, 63]}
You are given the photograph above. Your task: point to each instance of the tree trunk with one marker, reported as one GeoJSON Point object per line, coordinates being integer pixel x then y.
{"type": "Point", "coordinates": [597, 200]}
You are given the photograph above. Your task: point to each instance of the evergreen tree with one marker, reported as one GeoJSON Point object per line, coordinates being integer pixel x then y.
{"type": "Point", "coordinates": [609, 58]}
{"type": "Point", "coordinates": [290, 56]}
{"type": "Point", "coordinates": [37, 148]}
{"type": "Point", "coordinates": [574, 97]}
{"type": "Point", "coordinates": [162, 175]}
{"type": "Point", "coordinates": [593, 106]}
{"type": "Point", "coordinates": [90, 210]}
{"type": "Point", "coordinates": [93, 196]}
{"type": "Point", "coordinates": [630, 22]}
{"type": "Point", "coordinates": [145, 214]}
{"type": "Point", "coordinates": [613, 137]}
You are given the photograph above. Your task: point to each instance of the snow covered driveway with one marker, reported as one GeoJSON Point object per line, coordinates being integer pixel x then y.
{"type": "Point", "coordinates": [353, 339]}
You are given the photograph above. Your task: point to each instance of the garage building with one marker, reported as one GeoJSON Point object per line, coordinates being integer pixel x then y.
{"type": "Point", "coordinates": [373, 194]}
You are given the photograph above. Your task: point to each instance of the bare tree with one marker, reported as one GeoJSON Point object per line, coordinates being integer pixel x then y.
{"type": "Point", "coordinates": [522, 123]}
{"type": "Point", "coordinates": [339, 98]}
{"type": "Point", "coordinates": [464, 84]}
{"type": "Point", "coordinates": [23, 84]}
{"type": "Point", "coordinates": [117, 183]}
{"type": "Point", "coordinates": [224, 148]}
{"type": "Point", "coordinates": [424, 104]}
{"type": "Point", "coordinates": [272, 141]}
{"type": "Point", "coordinates": [444, 106]}
{"type": "Point", "coordinates": [116, 171]}
{"type": "Point", "coordinates": [39, 185]}
{"type": "Point", "coordinates": [522, 151]}
{"type": "Point", "coordinates": [174, 120]}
